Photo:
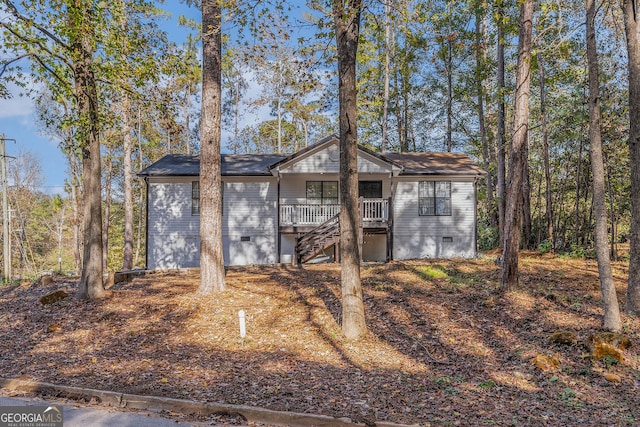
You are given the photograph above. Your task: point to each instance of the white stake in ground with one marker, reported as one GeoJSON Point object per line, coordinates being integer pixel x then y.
{"type": "Point", "coordinates": [243, 328]}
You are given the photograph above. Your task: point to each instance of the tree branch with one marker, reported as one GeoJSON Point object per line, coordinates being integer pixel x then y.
{"type": "Point", "coordinates": [31, 23]}
{"type": "Point", "coordinates": [31, 41]}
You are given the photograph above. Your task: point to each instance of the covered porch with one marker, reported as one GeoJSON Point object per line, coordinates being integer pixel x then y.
{"type": "Point", "coordinates": [374, 213]}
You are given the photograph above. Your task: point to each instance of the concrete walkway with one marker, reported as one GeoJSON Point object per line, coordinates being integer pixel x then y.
{"type": "Point", "coordinates": [78, 416]}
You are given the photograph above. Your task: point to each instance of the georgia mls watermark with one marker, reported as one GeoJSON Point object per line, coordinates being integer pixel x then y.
{"type": "Point", "coordinates": [31, 416]}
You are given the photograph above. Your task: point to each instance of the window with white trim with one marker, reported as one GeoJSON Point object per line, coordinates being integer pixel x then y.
{"type": "Point", "coordinates": [434, 198]}
{"type": "Point", "coordinates": [322, 192]}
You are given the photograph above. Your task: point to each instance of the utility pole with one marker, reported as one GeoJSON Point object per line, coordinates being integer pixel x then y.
{"type": "Point", "coordinates": [6, 237]}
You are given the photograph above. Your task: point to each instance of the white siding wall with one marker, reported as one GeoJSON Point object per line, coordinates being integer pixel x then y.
{"type": "Point", "coordinates": [418, 236]}
{"type": "Point", "coordinates": [174, 234]}
{"type": "Point", "coordinates": [328, 161]}
{"type": "Point", "coordinates": [249, 212]}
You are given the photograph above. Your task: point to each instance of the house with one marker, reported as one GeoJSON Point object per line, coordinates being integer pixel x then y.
{"type": "Point", "coordinates": [283, 208]}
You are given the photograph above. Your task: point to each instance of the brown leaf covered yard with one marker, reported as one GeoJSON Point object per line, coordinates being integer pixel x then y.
{"type": "Point", "coordinates": [445, 348]}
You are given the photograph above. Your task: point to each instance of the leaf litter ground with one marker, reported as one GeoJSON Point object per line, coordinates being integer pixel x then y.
{"type": "Point", "coordinates": [445, 347]}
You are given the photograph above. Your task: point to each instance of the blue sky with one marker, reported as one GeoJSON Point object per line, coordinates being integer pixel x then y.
{"type": "Point", "coordinates": [17, 119]}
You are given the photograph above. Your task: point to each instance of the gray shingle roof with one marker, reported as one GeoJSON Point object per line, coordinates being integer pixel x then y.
{"type": "Point", "coordinates": [433, 163]}
{"type": "Point", "coordinates": [232, 165]}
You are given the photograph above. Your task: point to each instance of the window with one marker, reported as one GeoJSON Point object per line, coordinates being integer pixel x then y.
{"type": "Point", "coordinates": [370, 189]}
{"type": "Point", "coordinates": [195, 197]}
{"type": "Point", "coordinates": [434, 198]}
{"type": "Point", "coordinates": [322, 192]}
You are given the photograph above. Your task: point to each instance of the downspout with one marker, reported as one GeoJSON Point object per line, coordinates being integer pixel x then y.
{"type": "Point", "coordinates": [146, 222]}
{"type": "Point", "coordinates": [391, 233]}
{"type": "Point", "coordinates": [475, 216]}
{"type": "Point", "coordinates": [279, 236]}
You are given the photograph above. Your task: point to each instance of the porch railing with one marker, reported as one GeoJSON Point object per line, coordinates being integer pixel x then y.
{"type": "Point", "coordinates": [372, 210]}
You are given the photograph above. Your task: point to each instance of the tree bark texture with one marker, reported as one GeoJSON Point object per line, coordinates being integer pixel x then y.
{"type": "Point", "coordinates": [609, 299]}
{"type": "Point", "coordinates": [91, 285]}
{"type": "Point", "coordinates": [127, 147]}
{"type": "Point", "coordinates": [526, 198]}
{"type": "Point", "coordinates": [211, 255]}
{"type": "Point", "coordinates": [347, 23]}
{"type": "Point", "coordinates": [481, 117]}
{"type": "Point", "coordinates": [107, 209]}
{"type": "Point", "coordinates": [502, 174]}
{"type": "Point", "coordinates": [545, 152]}
{"type": "Point", "coordinates": [517, 159]}
{"type": "Point", "coordinates": [632, 30]}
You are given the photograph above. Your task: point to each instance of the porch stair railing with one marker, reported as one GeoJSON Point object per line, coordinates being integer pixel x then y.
{"type": "Point", "coordinates": [317, 240]}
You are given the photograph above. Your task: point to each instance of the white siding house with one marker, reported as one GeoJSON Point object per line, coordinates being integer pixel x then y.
{"type": "Point", "coordinates": [413, 205]}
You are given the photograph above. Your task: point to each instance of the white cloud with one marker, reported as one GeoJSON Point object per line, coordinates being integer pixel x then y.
{"type": "Point", "coordinates": [17, 105]}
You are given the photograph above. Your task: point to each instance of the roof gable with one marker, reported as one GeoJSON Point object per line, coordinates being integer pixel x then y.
{"type": "Point", "coordinates": [324, 157]}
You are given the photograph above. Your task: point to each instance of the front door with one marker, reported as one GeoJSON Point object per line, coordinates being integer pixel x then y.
{"type": "Point", "coordinates": [370, 189]}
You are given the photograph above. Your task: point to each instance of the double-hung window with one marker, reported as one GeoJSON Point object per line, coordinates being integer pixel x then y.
{"type": "Point", "coordinates": [195, 197]}
{"type": "Point", "coordinates": [322, 192]}
{"type": "Point", "coordinates": [434, 198]}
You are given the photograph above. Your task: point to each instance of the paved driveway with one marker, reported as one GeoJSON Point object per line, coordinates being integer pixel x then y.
{"type": "Point", "coordinates": [75, 416]}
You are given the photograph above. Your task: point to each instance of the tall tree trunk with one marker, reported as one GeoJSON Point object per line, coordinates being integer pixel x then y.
{"type": "Point", "coordinates": [613, 252]}
{"type": "Point", "coordinates": [526, 197]}
{"type": "Point", "coordinates": [347, 24]}
{"type": "Point", "coordinates": [517, 155]}
{"type": "Point", "coordinates": [502, 174]}
{"type": "Point", "coordinates": [545, 153]}
{"type": "Point", "coordinates": [632, 30]}
{"type": "Point", "coordinates": [576, 226]}
{"type": "Point", "coordinates": [387, 61]}
{"type": "Point", "coordinates": [107, 209]}
{"type": "Point", "coordinates": [187, 124]}
{"type": "Point", "coordinates": [91, 285]}
{"type": "Point", "coordinates": [449, 68]}
{"type": "Point", "coordinates": [140, 194]}
{"type": "Point", "coordinates": [211, 254]}
{"type": "Point", "coordinates": [481, 119]}
{"type": "Point", "coordinates": [609, 299]}
{"type": "Point", "coordinates": [125, 115]}
{"type": "Point", "coordinates": [77, 220]}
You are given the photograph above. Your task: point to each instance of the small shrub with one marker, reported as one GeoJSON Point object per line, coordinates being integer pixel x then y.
{"type": "Point", "coordinates": [545, 247]}
{"type": "Point", "coordinates": [488, 237]}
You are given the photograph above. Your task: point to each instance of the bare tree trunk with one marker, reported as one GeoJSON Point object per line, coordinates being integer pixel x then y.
{"type": "Point", "coordinates": [90, 285]}
{"type": "Point", "coordinates": [613, 252]}
{"type": "Point", "coordinates": [140, 194]}
{"type": "Point", "coordinates": [545, 153]}
{"type": "Point", "coordinates": [125, 114]}
{"type": "Point", "coordinates": [347, 24]}
{"type": "Point", "coordinates": [236, 117]}
{"type": "Point", "coordinates": [501, 196]}
{"type": "Point", "coordinates": [632, 30]}
{"type": "Point", "coordinates": [107, 210]}
{"type": "Point", "coordinates": [211, 253]}
{"type": "Point", "coordinates": [387, 60]}
{"type": "Point", "coordinates": [517, 159]}
{"type": "Point", "coordinates": [493, 218]}
{"type": "Point", "coordinates": [76, 219]}
{"type": "Point", "coordinates": [526, 197]}
{"type": "Point", "coordinates": [609, 298]}
{"type": "Point", "coordinates": [449, 68]}
{"type": "Point", "coordinates": [576, 226]}
{"type": "Point", "coordinates": [187, 124]}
